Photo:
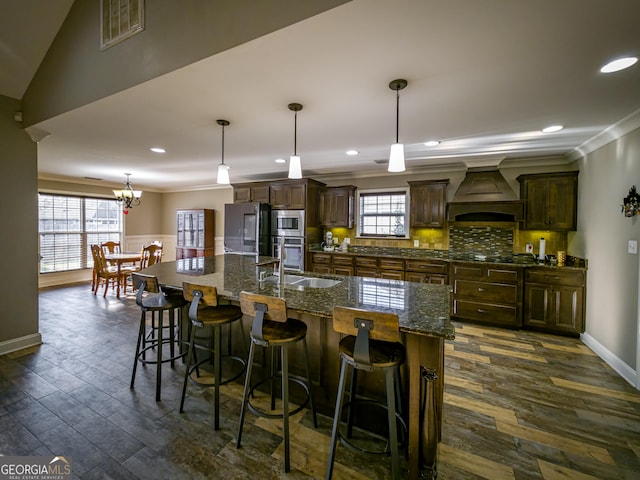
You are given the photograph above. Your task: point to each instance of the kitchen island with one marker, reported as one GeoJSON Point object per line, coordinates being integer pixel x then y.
{"type": "Point", "coordinates": [423, 312]}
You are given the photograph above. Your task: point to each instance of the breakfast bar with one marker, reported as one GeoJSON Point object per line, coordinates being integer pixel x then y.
{"type": "Point", "coordinates": [423, 311]}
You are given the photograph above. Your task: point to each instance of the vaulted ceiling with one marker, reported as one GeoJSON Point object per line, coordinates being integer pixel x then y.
{"type": "Point", "coordinates": [483, 78]}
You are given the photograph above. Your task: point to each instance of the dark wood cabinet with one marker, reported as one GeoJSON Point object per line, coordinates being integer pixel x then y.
{"type": "Point", "coordinates": [377, 267]}
{"type": "Point", "coordinates": [554, 300]}
{"type": "Point", "coordinates": [195, 233]}
{"type": "Point", "coordinates": [251, 192]}
{"type": "Point", "coordinates": [337, 207]}
{"type": "Point", "coordinates": [428, 203]}
{"type": "Point", "coordinates": [551, 200]}
{"type": "Point", "coordinates": [288, 196]}
{"type": "Point", "coordinates": [427, 271]}
{"type": "Point", "coordinates": [332, 263]}
{"type": "Point", "coordinates": [489, 294]}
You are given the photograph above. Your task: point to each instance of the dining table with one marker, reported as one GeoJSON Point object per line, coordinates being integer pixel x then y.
{"type": "Point", "coordinates": [119, 259]}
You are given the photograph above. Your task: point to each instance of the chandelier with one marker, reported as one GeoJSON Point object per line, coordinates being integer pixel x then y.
{"type": "Point", "coordinates": [128, 196]}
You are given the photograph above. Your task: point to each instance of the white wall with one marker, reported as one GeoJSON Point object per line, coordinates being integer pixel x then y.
{"type": "Point", "coordinates": [606, 175]}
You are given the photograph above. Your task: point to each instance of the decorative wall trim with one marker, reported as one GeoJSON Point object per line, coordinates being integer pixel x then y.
{"type": "Point", "coordinates": [624, 370]}
{"type": "Point", "coordinates": [19, 343]}
{"type": "Point", "coordinates": [614, 132]}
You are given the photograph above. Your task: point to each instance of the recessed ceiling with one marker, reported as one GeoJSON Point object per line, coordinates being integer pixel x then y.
{"type": "Point", "coordinates": [484, 78]}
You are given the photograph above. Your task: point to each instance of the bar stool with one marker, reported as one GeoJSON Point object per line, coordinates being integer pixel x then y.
{"type": "Point", "coordinates": [156, 302]}
{"type": "Point", "coordinates": [372, 342]}
{"type": "Point", "coordinates": [272, 328]}
{"type": "Point", "coordinates": [205, 311]}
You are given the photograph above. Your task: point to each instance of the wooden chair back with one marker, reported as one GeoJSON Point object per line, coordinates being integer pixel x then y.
{"type": "Point", "coordinates": [380, 325]}
{"type": "Point", "coordinates": [208, 295]}
{"type": "Point", "coordinates": [151, 284]}
{"type": "Point", "coordinates": [110, 247]}
{"type": "Point", "coordinates": [151, 254]}
{"type": "Point", "coordinates": [276, 308]}
{"type": "Point", "coordinates": [100, 265]}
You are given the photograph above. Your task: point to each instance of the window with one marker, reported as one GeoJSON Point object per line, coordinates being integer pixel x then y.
{"type": "Point", "coordinates": [69, 225]}
{"type": "Point", "coordinates": [382, 214]}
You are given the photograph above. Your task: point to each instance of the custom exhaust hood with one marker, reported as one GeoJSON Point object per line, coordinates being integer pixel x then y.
{"type": "Point", "coordinates": [485, 196]}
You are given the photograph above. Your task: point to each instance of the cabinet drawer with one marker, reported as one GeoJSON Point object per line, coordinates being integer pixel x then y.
{"type": "Point", "coordinates": [320, 258]}
{"type": "Point", "coordinates": [343, 270]}
{"type": "Point", "coordinates": [427, 266]}
{"type": "Point", "coordinates": [486, 292]}
{"type": "Point", "coordinates": [468, 271]}
{"type": "Point", "coordinates": [498, 274]}
{"type": "Point", "coordinates": [487, 313]}
{"type": "Point", "coordinates": [342, 260]}
{"type": "Point", "coordinates": [391, 264]}
{"type": "Point", "coordinates": [555, 276]}
{"type": "Point", "coordinates": [367, 262]}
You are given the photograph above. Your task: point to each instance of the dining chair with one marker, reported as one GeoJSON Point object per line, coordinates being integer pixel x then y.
{"type": "Point", "coordinates": [103, 272]}
{"type": "Point", "coordinates": [151, 254]}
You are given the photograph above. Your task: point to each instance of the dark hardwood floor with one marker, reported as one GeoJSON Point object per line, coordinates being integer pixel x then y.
{"type": "Point", "coordinates": [518, 405]}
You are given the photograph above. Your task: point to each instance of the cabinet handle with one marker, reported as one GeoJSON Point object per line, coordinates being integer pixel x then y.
{"type": "Point", "coordinates": [552, 277]}
{"type": "Point", "coordinates": [480, 310]}
{"type": "Point", "coordinates": [480, 289]}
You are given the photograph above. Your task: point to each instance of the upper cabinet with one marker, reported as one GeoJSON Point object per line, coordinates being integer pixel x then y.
{"type": "Point", "coordinates": [428, 203]}
{"type": "Point", "coordinates": [251, 192]}
{"type": "Point", "coordinates": [551, 200]}
{"type": "Point", "coordinates": [288, 196]}
{"type": "Point", "coordinates": [337, 206]}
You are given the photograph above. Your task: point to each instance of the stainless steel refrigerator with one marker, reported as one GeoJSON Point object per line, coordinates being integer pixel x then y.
{"type": "Point", "coordinates": [247, 228]}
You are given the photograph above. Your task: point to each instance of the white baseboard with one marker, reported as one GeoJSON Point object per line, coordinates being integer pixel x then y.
{"type": "Point", "coordinates": [624, 370]}
{"type": "Point", "coordinates": [19, 343]}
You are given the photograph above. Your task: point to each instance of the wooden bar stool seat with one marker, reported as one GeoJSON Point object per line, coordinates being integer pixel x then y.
{"type": "Point", "coordinates": [272, 328]}
{"type": "Point", "coordinates": [157, 303]}
{"type": "Point", "coordinates": [372, 342]}
{"type": "Point", "coordinates": [205, 311]}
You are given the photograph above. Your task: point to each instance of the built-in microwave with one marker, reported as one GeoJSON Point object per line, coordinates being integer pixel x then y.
{"type": "Point", "coordinates": [287, 223]}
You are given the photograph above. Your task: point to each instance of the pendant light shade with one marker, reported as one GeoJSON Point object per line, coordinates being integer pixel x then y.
{"type": "Point", "coordinates": [223, 170]}
{"type": "Point", "coordinates": [295, 167]}
{"type": "Point", "coordinates": [396, 155]}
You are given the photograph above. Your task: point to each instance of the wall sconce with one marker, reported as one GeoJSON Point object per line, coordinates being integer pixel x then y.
{"type": "Point", "coordinates": [631, 203]}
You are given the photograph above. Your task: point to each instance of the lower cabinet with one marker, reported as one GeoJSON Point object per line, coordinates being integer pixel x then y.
{"type": "Point", "coordinates": [554, 300]}
{"type": "Point", "coordinates": [375, 267]}
{"type": "Point", "coordinates": [427, 271]}
{"type": "Point", "coordinates": [487, 294]}
{"type": "Point", "coordinates": [332, 263]}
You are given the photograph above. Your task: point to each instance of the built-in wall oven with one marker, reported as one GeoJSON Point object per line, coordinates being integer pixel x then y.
{"type": "Point", "coordinates": [288, 226]}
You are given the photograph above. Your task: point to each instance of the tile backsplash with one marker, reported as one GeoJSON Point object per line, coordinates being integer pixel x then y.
{"type": "Point", "coordinates": [486, 240]}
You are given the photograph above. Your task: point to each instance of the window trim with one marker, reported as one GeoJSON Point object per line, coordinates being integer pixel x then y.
{"type": "Point", "coordinates": [370, 191]}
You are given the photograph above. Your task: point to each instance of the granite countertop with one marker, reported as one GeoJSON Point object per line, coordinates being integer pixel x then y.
{"type": "Point", "coordinates": [522, 260]}
{"type": "Point", "coordinates": [422, 309]}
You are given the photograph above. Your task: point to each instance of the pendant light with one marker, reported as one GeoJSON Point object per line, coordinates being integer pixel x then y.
{"type": "Point", "coordinates": [223, 170]}
{"type": "Point", "coordinates": [396, 156]}
{"type": "Point", "coordinates": [295, 168]}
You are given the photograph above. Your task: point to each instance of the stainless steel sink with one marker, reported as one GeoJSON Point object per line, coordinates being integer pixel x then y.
{"type": "Point", "coordinates": [309, 282]}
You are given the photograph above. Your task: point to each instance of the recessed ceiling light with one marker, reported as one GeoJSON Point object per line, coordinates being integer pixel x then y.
{"type": "Point", "coordinates": [552, 128]}
{"type": "Point", "coordinates": [157, 150]}
{"type": "Point", "coordinates": [352, 152]}
{"type": "Point", "coordinates": [280, 160]}
{"type": "Point", "coordinates": [619, 64]}
{"type": "Point", "coordinates": [431, 143]}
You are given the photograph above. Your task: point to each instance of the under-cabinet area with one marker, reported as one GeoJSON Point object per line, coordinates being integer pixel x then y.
{"type": "Point", "coordinates": [520, 294]}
